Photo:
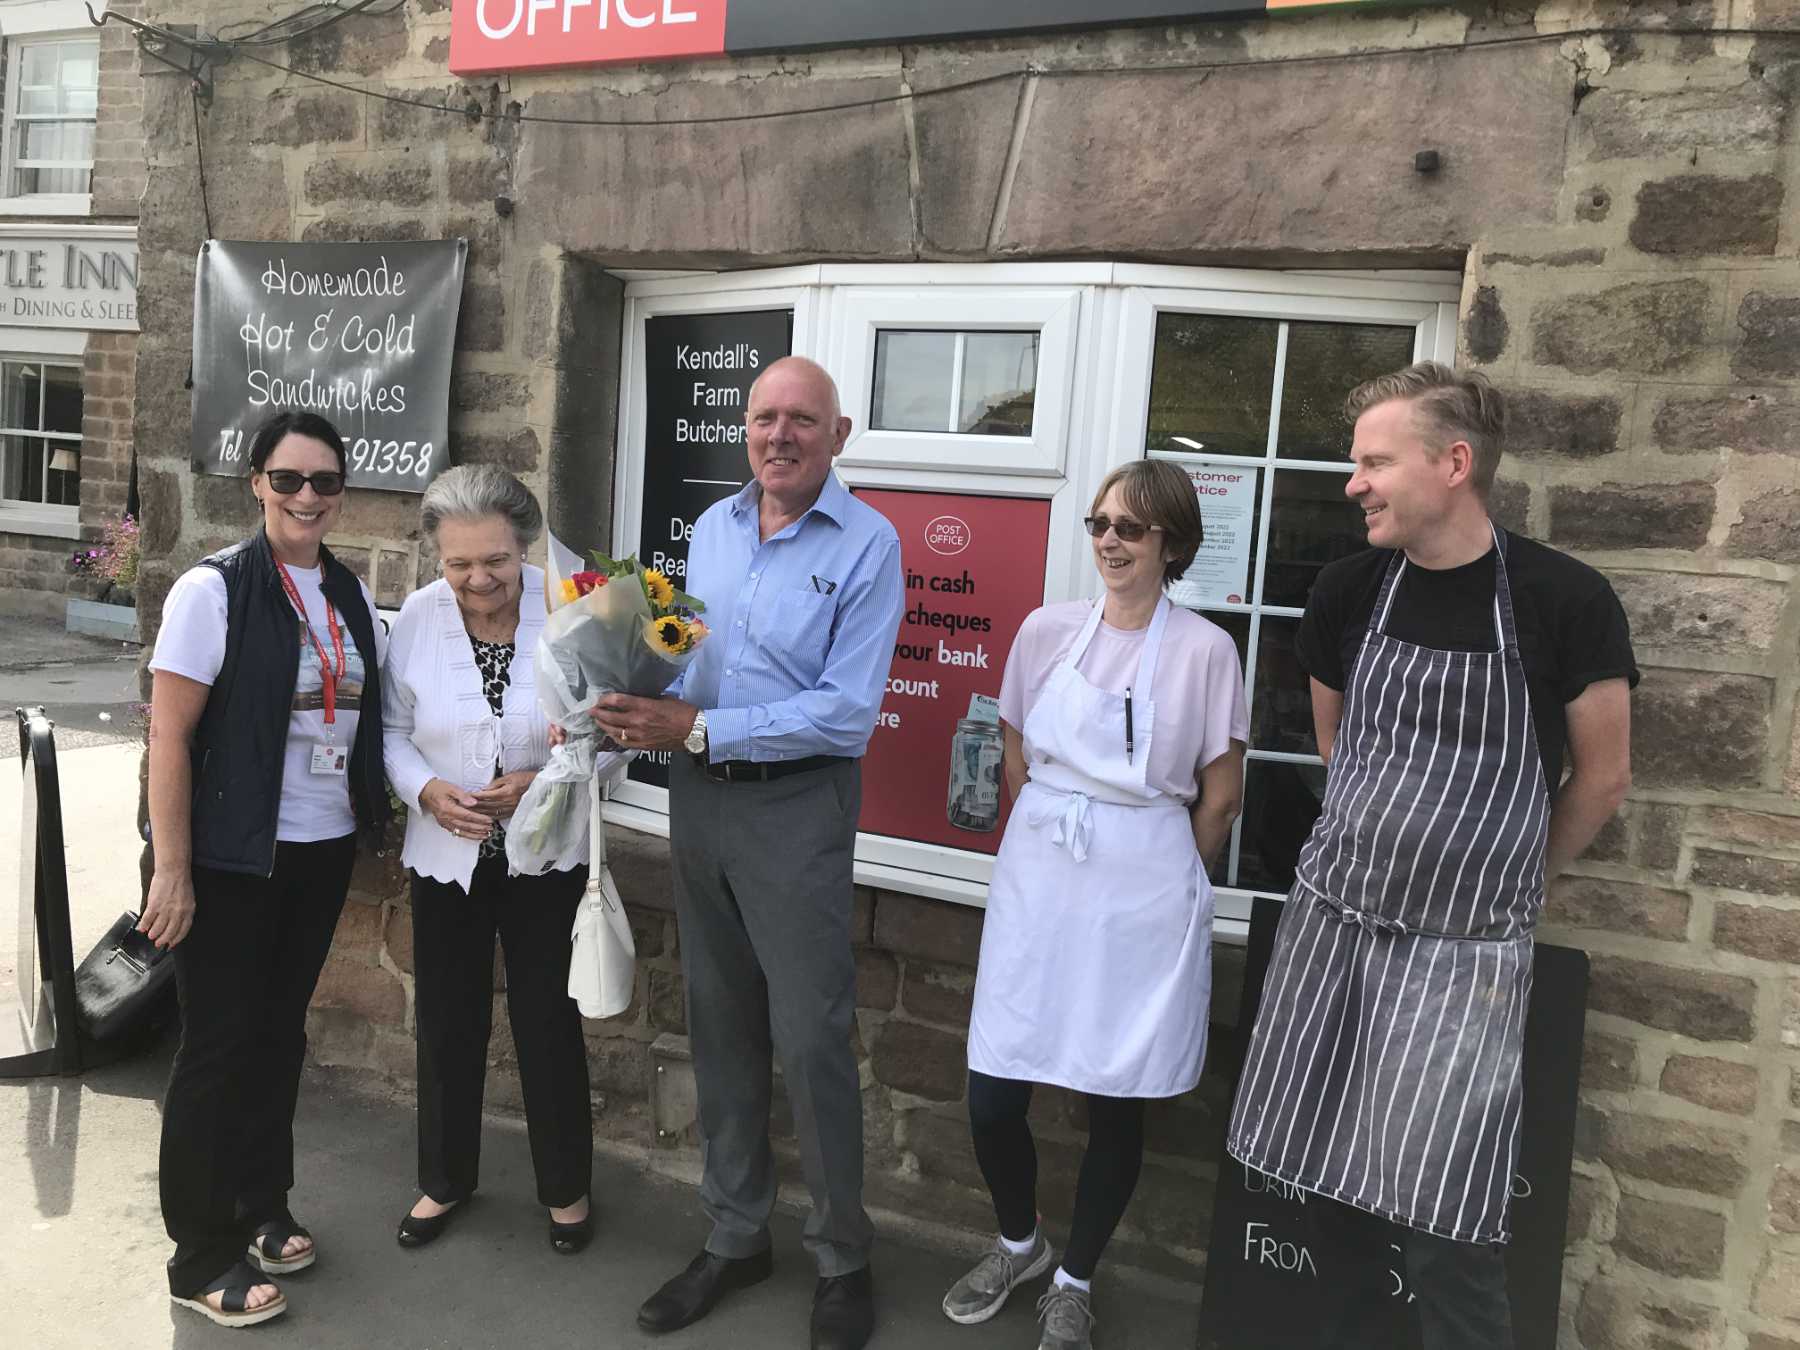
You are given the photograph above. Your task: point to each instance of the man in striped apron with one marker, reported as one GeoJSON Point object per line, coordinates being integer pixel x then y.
{"type": "Point", "coordinates": [1383, 1074]}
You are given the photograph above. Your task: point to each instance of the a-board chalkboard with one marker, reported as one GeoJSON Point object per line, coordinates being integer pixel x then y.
{"type": "Point", "coordinates": [698, 369]}
{"type": "Point", "coordinates": [361, 334]}
{"type": "Point", "coordinates": [1259, 1266]}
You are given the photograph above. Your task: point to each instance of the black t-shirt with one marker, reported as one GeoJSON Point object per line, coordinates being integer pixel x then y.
{"type": "Point", "coordinates": [1572, 629]}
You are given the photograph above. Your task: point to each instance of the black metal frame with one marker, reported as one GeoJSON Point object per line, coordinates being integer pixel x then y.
{"type": "Point", "coordinates": [54, 1013]}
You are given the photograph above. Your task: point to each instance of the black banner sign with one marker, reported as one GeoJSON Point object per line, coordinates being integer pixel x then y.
{"type": "Point", "coordinates": [1261, 1268]}
{"type": "Point", "coordinates": [359, 333]}
{"type": "Point", "coordinates": [698, 369]}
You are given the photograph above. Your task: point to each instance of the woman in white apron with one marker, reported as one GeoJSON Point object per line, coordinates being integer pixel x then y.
{"type": "Point", "coordinates": [1125, 730]}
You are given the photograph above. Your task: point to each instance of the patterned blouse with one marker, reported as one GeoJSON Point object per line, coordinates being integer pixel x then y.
{"type": "Point", "coordinates": [494, 661]}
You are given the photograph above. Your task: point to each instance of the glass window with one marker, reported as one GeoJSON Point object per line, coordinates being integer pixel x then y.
{"type": "Point", "coordinates": [40, 433]}
{"type": "Point", "coordinates": [50, 115]}
{"type": "Point", "coordinates": [973, 383]}
{"type": "Point", "coordinates": [1224, 390]}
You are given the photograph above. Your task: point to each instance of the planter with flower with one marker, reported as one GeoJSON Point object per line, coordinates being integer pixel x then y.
{"type": "Point", "coordinates": [111, 562]}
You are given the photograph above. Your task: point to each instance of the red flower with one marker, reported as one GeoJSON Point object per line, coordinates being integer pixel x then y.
{"type": "Point", "coordinates": [588, 581]}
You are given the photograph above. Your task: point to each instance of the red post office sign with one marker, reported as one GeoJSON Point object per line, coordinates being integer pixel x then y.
{"type": "Point", "coordinates": [489, 36]}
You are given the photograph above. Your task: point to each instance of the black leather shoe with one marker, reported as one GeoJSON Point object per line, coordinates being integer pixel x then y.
{"type": "Point", "coordinates": [417, 1232]}
{"type": "Point", "coordinates": [691, 1295]}
{"type": "Point", "coordinates": [843, 1315]}
{"type": "Point", "coordinates": [569, 1238]}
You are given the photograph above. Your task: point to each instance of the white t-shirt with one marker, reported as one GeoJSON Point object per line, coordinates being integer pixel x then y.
{"type": "Point", "coordinates": [314, 806]}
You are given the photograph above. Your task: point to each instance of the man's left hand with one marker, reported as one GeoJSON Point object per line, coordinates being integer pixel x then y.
{"type": "Point", "coordinates": [645, 723]}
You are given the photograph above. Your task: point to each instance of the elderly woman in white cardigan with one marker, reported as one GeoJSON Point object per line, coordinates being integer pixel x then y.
{"type": "Point", "coordinates": [463, 738]}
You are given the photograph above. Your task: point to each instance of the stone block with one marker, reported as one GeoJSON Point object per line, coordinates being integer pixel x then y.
{"type": "Point", "coordinates": [225, 501]}
{"type": "Point", "coordinates": [1754, 829]}
{"type": "Point", "coordinates": [1628, 124]}
{"type": "Point", "coordinates": [1705, 1005]}
{"type": "Point", "coordinates": [393, 516]}
{"type": "Point", "coordinates": [474, 181]}
{"type": "Point", "coordinates": [366, 990]}
{"type": "Point", "coordinates": [668, 1002]}
{"type": "Point", "coordinates": [1631, 515]}
{"type": "Point", "coordinates": [877, 980]}
{"type": "Point", "coordinates": [910, 925]}
{"type": "Point", "coordinates": [1620, 1315]}
{"type": "Point", "coordinates": [374, 182]}
{"type": "Point", "coordinates": [862, 916]}
{"type": "Point", "coordinates": [1699, 729]}
{"type": "Point", "coordinates": [488, 391]}
{"type": "Point", "coordinates": [159, 511]}
{"type": "Point", "coordinates": [640, 866]}
{"type": "Point", "coordinates": [397, 936]}
{"type": "Point", "coordinates": [364, 230]}
{"type": "Point", "coordinates": [1608, 1063]}
{"type": "Point", "coordinates": [1676, 1153]}
{"type": "Point", "coordinates": [1746, 872]}
{"type": "Point", "coordinates": [1765, 528]}
{"type": "Point", "coordinates": [1618, 907]}
{"type": "Point", "coordinates": [1485, 326]}
{"type": "Point", "coordinates": [1784, 1199]}
{"type": "Point", "coordinates": [1762, 1340]}
{"type": "Point", "coordinates": [617, 1065]}
{"type": "Point", "coordinates": [1712, 614]}
{"type": "Point", "coordinates": [1671, 1239]}
{"type": "Point", "coordinates": [519, 451]}
{"type": "Point", "coordinates": [1509, 503]}
{"type": "Point", "coordinates": [366, 46]}
{"type": "Point", "coordinates": [1587, 1199]}
{"type": "Point", "coordinates": [1638, 328]}
{"type": "Point", "coordinates": [1660, 827]}
{"type": "Point", "coordinates": [1760, 931]}
{"type": "Point", "coordinates": [646, 931]}
{"type": "Point", "coordinates": [1719, 1084]}
{"type": "Point", "coordinates": [1546, 424]}
{"type": "Point", "coordinates": [358, 937]}
{"type": "Point", "coordinates": [286, 117]}
{"type": "Point", "coordinates": [943, 994]}
{"type": "Point", "coordinates": [921, 1060]}
{"type": "Point", "coordinates": [481, 323]}
{"type": "Point", "coordinates": [1767, 343]}
{"type": "Point", "coordinates": [1777, 1289]}
{"type": "Point", "coordinates": [1753, 421]}
{"type": "Point", "coordinates": [962, 139]}
{"type": "Point", "coordinates": [1698, 215]}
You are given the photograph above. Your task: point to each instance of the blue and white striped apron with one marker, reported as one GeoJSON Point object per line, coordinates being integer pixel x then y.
{"type": "Point", "coordinates": [1384, 1066]}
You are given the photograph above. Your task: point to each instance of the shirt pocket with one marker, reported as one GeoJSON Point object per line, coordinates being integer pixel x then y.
{"type": "Point", "coordinates": [799, 623]}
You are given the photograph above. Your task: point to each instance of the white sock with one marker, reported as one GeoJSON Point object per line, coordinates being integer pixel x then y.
{"type": "Point", "coordinates": [1019, 1248]}
{"type": "Point", "coordinates": [1064, 1278]}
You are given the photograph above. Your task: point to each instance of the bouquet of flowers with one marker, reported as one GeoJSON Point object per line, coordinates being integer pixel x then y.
{"type": "Point", "coordinates": [622, 628]}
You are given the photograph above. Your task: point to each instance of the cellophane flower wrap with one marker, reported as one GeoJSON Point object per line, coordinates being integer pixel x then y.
{"type": "Point", "coordinates": [624, 629]}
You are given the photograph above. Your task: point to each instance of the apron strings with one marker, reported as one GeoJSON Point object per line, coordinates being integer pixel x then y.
{"type": "Point", "coordinates": [1074, 822]}
{"type": "Point", "coordinates": [1373, 924]}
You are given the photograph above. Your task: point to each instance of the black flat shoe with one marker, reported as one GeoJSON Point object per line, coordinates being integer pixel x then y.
{"type": "Point", "coordinates": [691, 1295]}
{"type": "Point", "coordinates": [569, 1238]}
{"type": "Point", "coordinates": [843, 1315]}
{"type": "Point", "coordinates": [417, 1232]}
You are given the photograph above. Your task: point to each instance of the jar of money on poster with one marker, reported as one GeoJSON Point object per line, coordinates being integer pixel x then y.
{"type": "Point", "coordinates": [976, 754]}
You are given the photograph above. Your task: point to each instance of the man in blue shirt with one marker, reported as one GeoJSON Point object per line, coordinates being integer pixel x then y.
{"type": "Point", "coordinates": [804, 595]}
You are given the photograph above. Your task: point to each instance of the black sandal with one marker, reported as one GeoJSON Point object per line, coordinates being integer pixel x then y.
{"type": "Point", "coordinates": [271, 1239]}
{"type": "Point", "coordinates": [235, 1284]}
{"type": "Point", "coordinates": [569, 1238]}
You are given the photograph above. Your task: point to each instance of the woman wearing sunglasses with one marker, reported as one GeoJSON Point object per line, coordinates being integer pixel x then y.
{"type": "Point", "coordinates": [265, 759]}
{"type": "Point", "coordinates": [1125, 726]}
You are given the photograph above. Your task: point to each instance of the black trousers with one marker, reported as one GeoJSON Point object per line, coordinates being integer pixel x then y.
{"type": "Point", "coordinates": [453, 1003]}
{"type": "Point", "coordinates": [1458, 1288]}
{"type": "Point", "coordinates": [1008, 1159]}
{"type": "Point", "coordinates": [244, 973]}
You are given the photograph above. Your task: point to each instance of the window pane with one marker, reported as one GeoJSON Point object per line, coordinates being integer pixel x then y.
{"type": "Point", "coordinates": [62, 399]}
{"type": "Point", "coordinates": [1325, 361]}
{"type": "Point", "coordinates": [24, 473]}
{"type": "Point", "coordinates": [1312, 523]}
{"type": "Point", "coordinates": [79, 78]}
{"type": "Point", "coordinates": [1238, 625]}
{"type": "Point", "coordinates": [19, 396]}
{"type": "Point", "coordinates": [1281, 702]}
{"type": "Point", "coordinates": [28, 181]}
{"type": "Point", "coordinates": [38, 66]}
{"type": "Point", "coordinates": [1211, 379]}
{"type": "Point", "coordinates": [1281, 802]}
{"type": "Point", "coordinates": [999, 383]}
{"type": "Point", "coordinates": [913, 372]}
{"type": "Point", "coordinates": [55, 140]}
{"type": "Point", "coordinates": [64, 488]}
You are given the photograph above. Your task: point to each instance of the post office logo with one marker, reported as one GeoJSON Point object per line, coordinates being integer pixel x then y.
{"type": "Point", "coordinates": [948, 535]}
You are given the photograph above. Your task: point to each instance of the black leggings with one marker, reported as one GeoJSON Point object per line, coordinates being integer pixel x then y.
{"type": "Point", "coordinates": [1008, 1158]}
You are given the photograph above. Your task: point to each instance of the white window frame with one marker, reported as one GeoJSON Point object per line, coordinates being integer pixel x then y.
{"type": "Point", "coordinates": [1091, 415]}
{"type": "Point", "coordinates": [38, 203]}
{"type": "Point", "coordinates": [49, 520]}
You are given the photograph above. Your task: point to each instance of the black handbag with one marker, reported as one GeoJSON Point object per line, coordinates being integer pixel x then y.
{"type": "Point", "coordinates": [124, 985]}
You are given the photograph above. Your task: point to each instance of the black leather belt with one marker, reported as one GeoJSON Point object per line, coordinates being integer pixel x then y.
{"type": "Point", "coordinates": [744, 771]}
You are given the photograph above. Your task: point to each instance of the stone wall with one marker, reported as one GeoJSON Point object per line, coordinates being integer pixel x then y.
{"type": "Point", "coordinates": [1623, 210]}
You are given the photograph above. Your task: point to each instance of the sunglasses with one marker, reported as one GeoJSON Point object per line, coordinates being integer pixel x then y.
{"type": "Point", "coordinates": [327, 482]}
{"type": "Point", "coordinates": [1129, 530]}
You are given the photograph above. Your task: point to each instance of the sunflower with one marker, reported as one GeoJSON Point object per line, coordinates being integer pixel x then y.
{"type": "Point", "coordinates": [570, 592]}
{"type": "Point", "coordinates": [669, 636]}
{"type": "Point", "coordinates": [658, 588]}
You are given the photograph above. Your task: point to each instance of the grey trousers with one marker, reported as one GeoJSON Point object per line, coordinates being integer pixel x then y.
{"type": "Point", "coordinates": [763, 895]}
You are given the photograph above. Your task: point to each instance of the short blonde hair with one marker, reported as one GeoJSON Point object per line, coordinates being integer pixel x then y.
{"type": "Point", "coordinates": [1448, 406]}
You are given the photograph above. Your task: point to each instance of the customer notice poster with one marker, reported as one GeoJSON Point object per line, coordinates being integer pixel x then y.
{"type": "Point", "coordinates": [361, 334]}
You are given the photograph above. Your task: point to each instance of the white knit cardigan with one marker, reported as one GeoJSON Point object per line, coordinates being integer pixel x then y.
{"type": "Point", "coordinates": [436, 722]}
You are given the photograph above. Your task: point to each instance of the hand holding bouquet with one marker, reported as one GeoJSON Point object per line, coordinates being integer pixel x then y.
{"type": "Point", "coordinates": [622, 628]}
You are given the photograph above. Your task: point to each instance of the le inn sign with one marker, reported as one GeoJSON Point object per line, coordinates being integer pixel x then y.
{"type": "Point", "coordinates": [491, 36]}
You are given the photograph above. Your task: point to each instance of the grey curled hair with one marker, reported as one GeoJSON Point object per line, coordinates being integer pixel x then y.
{"type": "Point", "coordinates": [476, 491]}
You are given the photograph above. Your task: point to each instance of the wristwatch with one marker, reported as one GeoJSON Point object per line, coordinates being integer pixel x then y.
{"type": "Point", "coordinates": [695, 744]}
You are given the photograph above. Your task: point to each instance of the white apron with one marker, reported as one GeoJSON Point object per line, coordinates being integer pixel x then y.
{"type": "Point", "coordinates": [1096, 956]}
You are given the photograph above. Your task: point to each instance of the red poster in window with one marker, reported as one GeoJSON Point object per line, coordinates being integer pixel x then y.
{"type": "Point", "coordinates": [974, 569]}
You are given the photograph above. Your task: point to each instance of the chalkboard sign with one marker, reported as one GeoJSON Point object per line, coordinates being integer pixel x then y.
{"type": "Point", "coordinates": [1260, 1266]}
{"type": "Point", "coordinates": [698, 369]}
{"type": "Point", "coordinates": [361, 334]}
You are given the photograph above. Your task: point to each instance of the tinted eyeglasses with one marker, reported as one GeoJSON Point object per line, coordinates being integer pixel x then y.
{"type": "Point", "coordinates": [1129, 530]}
{"type": "Point", "coordinates": [327, 482]}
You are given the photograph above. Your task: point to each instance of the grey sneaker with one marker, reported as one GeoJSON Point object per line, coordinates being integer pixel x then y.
{"type": "Point", "coordinates": [1068, 1318]}
{"type": "Point", "coordinates": [981, 1293]}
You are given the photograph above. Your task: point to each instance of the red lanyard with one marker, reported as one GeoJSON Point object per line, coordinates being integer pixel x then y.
{"type": "Point", "coordinates": [328, 678]}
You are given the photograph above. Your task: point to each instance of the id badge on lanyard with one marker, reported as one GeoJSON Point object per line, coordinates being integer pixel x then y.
{"type": "Point", "coordinates": [329, 757]}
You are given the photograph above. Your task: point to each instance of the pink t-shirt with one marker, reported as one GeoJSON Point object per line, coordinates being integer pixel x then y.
{"type": "Point", "coordinates": [1199, 693]}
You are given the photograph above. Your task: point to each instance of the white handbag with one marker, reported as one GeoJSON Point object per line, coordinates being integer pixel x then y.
{"type": "Point", "coordinates": [603, 965]}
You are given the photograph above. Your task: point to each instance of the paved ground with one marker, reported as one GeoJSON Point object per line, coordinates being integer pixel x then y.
{"type": "Point", "coordinates": [88, 685]}
{"type": "Point", "coordinates": [82, 1247]}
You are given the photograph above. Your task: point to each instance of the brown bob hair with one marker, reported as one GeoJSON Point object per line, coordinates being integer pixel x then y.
{"type": "Point", "coordinates": [1159, 493]}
